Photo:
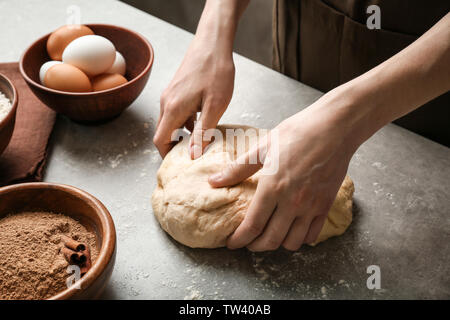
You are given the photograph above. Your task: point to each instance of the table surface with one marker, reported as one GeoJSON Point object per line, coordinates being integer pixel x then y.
{"type": "Point", "coordinates": [402, 200]}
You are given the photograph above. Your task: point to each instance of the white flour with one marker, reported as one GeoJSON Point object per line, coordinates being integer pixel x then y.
{"type": "Point", "coordinates": [5, 106]}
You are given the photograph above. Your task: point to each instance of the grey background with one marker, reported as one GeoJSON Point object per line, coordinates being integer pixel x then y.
{"type": "Point", "coordinates": [254, 34]}
{"type": "Point", "coordinates": [401, 212]}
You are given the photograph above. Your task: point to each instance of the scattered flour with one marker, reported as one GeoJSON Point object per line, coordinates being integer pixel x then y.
{"type": "Point", "coordinates": [5, 106]}
{"type": "Point", "coordinates": [154, 155]}
{"type": "Point", "coordinates": [115, 161]}
{"type": "Point", "coordinates": [250, 116]}
{"type": "Point", "coordinates": [193, 294]}
{"type": "Point", "coordinates": [379, 165]}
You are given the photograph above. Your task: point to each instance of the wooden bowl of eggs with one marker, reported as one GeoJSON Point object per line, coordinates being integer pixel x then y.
{"type": "Point", "coordinates": [89, 73]}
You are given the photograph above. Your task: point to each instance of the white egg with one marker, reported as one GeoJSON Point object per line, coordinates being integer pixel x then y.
{"type": "Point", "coordinates": [119, 66]}
{"type": "Point", "coordinates": [44, 69]}
{"type": "Point", "coordinates": [92, 54]}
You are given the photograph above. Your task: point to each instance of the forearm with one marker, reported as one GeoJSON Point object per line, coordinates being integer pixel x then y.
{"type": "Point", "coordinates": [218, 23]}
{"type": "Point", "coordinates": [396, 87]}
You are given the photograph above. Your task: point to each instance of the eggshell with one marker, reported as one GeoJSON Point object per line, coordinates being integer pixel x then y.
{"type": "Point", "coordinates": [92, 54]}
{"type": "Point", "coordinates": [62, 36]}
{"type": "Point", "coordinates": [44, 69]}
{"type": "Point", "coordinates": [119, 66]}
{"type": "Point", "coordinates": [65, 77]}
{"type": "Point", "coordinates": [107, 81]}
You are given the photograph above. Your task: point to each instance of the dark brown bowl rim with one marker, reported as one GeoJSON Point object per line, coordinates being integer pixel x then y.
{"type": "Point", "coordinates": [109, 234]}
{"type": "Point", "coordinates": [14, 103]}
{"type": "Point", "coordinates": [92, 93]}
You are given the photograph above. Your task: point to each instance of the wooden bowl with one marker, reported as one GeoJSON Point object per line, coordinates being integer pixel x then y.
{"type": "Point", "coordinates": [7, 124]}
{"type": "Point", "coordinates": [99, 106]}
{"type": "Point", "coordinates": [79, 205]}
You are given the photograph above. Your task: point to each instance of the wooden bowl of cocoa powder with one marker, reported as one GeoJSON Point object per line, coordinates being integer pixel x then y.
{"type": "Point", "coordinates": [34, 217]}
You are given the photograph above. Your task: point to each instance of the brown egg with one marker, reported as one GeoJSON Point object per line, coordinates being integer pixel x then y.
{"type": "Point", "coordinates": [62, 36]}
{"type": "Point", "coordinates": [107, 81]}
{"type": "Point", "coordinates": [65, 77]}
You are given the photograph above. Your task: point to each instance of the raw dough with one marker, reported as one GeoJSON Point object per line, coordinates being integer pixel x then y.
{"type": "Point", "coordinates": [199, 216]}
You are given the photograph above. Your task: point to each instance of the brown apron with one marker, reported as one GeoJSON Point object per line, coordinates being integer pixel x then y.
{"type": "Point", "coordinates": [324, 43]}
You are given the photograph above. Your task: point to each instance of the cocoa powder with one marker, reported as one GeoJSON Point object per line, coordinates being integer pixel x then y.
{"type": "Point", "coordinates": [31, 264]}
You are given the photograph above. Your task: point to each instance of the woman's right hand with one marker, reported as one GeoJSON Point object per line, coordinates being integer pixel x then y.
{"type": "Point", "coordinates": [203, 83]}
{"type": "Point", "coordinates": [205, 80]}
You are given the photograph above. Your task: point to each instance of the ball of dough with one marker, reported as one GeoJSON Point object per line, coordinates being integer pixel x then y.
{"type": "Point", "coordinates": [199, 216]}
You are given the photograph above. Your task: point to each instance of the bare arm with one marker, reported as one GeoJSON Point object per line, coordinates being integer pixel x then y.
{"type": "Point", "coordinates": [399, 85]}
{"type": "Point", "coordinates": [205, 79]}
{"type": "Point", "coordinates": [219, 21]}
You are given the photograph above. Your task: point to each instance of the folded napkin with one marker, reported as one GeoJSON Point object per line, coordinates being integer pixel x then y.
{"type": "Point", "coordinates": [25, 156]}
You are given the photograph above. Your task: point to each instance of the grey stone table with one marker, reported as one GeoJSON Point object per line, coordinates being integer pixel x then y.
{"type": "Point", "coordinates": [402, 199]}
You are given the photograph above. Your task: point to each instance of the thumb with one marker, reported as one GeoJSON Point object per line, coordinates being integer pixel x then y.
{"type": "Point", "coordinates": [208, 120]}
{"type": "Point", "coordinates": [237, 171]}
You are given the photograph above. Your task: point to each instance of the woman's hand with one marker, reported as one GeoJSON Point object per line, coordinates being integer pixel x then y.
{"type": "Point", "coordinates": [290, 206]}
{"type": "Point", "coordinates": [205, 80]}
{"type": "Point", "coordinates": [203, 83]}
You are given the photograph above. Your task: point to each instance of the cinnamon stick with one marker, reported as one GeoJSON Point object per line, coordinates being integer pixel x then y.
{"type": "Point", "coordinates": [81, 257]}
{"type": "Point", "coordinates": [70, 255]}
{"type": "Point", "coordinates": [73, 256]}
{"type": "Point", "coordinates": [87, 265]}
{"type": "Point", "coordinates": [73, 244]}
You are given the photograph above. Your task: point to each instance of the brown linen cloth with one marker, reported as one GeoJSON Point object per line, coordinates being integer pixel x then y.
{"type": "Point", "coordinates": [324, 43]}
{"type": "Point", "coordinates": [24, 158]}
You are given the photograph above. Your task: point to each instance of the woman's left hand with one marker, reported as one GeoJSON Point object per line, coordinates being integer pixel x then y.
{"type": "Point", "coordinates": [290, 205]}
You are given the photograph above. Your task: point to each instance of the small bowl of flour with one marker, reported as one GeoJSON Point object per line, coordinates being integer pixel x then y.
{"type": "Point", "coordinates": [8, 107]}
{"type": "Point", "coordinates": [5, 106]}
